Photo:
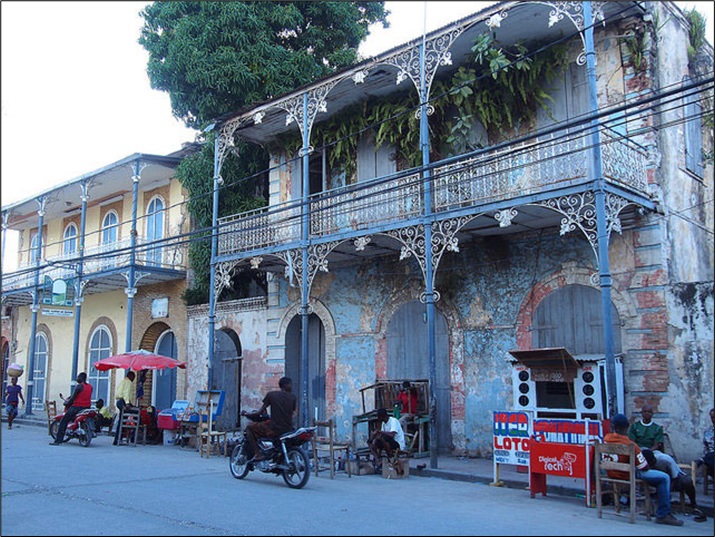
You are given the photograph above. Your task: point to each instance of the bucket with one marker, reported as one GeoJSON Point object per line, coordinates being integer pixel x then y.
{"type": "Point", "coordinates": [169, 437]}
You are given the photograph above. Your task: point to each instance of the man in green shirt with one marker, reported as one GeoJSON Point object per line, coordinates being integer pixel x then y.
{"type": "Point", "coordinates": [649, 436]}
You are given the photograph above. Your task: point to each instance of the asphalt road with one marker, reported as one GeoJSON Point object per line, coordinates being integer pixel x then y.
{"type": "Point", "coordinates": [166, 490]}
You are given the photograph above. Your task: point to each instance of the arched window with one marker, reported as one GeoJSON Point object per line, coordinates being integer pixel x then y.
{"type": "Point", "coordinates": [70, 240]}
{"type": "Point", "coordinates": [35, 252]}
{"type": "Point", "coordinates": [40, 372]}
{"type": "Point", "coordinates": [100, 347]}
{"type": "Point", "coordinates": [109, 228]}
{"type": "Point", "coordinates": [155, 230]}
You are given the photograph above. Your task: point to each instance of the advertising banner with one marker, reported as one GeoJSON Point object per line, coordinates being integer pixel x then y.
{"type": "Point", "coordinates": [511, 437]}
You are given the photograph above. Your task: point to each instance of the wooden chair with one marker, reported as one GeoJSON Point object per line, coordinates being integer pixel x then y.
{"type": "Point", "coordinates": [605, 457]}
{"type": "Point", "coordinates": [689, 468]}
{"type": "Point", "coordinates": [51, 409]}
{"type": "Point", "coordinates": [707, 479]}
{"type": "Point", "coordinates": [324, 442]}
{"type": "Point", "coordinates": [130, 427]}
{"type": "Point", "coordinates": [207, 436]}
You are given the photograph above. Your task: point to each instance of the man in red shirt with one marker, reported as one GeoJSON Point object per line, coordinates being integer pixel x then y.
{"type": "Point", "coordinates": [80, 399]}
{"type": "Point", "coordinates": [660, 480]}
{"type": "Point", "coordinates": [407, 399]}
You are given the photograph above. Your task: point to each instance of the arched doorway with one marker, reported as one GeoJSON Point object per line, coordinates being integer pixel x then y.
{"type": "Point", "coordinates": [572, 317]}
{"type": "Point", "coordinates": [164, 380]}
{"type": "Point", "coordinates": [226, 376]}
{"type": "Point", "coordinates": [316, 363]}
{"type": "Point", "coordinates": [408, 357]}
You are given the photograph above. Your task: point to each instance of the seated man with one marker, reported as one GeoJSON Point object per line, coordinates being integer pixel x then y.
{"type": "Point", "coordinates": [660, 480]}
{"type": "Point", "coordinates": [708, 445]}
{"type": "Point", "coordinates": [648, 435]}
{"type": "Point", "coordinates": [407, 401]}
{"type": "Point", "coordinates": [104, 416]}
{"type": "Point", "coordinates": [388, 436]}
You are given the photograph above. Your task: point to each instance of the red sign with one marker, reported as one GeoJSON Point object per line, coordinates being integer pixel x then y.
{"type": "Point", "coordinates": [567, 460]}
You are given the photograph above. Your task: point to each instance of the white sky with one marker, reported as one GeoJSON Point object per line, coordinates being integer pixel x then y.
{"type": "Point", "coordinates": [76, 96]}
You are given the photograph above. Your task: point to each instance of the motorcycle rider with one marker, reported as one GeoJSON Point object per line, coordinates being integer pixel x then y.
{"type": "Point", "coordinates": [283, 405]}
{"type": "Point", "coordinates": [80, 400]}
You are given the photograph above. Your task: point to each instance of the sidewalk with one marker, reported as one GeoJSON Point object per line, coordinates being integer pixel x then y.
{"type": "Point", "coordinates": [480, 470]}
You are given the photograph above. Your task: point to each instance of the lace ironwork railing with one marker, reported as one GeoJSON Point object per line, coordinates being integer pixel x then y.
{"type": "Point", "coordinates": [259, 228]}
{"type": "Point", "coordinates": [361, 206]}
{"type": "Point", "coordinates": [535, 167]}
{"type": "Point", "coordinates": [98, 258]}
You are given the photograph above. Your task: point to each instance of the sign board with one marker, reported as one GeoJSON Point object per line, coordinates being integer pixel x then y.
{"type": "Point", "coordinates": [57, 312]}
{"type": "Point", "coordinates": [58, 292]}
{"type": "Point", "coordinates": [564, 431]}
{"type": "Point", "coordinates": [511, 437]}
{"type": "Point", "coordinates": [160, 308]}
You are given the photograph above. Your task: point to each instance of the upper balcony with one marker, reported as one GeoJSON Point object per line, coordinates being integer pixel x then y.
{"type": "Point", "coordinates": [493, 180]}
{"type": "Point", "coordinates": [103, 268]}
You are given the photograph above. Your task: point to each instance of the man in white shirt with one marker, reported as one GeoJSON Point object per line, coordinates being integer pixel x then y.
{"type": "Point", "coordinates": [389, 436]}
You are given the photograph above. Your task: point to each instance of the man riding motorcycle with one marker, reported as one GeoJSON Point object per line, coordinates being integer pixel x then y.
{"type": "Point", "coordinates": [283, 405]}
{"type": "Point", "coordinates": [80, 400]}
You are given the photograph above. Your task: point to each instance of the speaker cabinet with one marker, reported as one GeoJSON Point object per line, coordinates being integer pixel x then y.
{"type": "Point", "coordinates": [588, 389]}
{"type": "Point", "coordinates": [524, 388]}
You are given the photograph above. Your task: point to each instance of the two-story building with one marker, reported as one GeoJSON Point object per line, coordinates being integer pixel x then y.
{"type": "Point", "coordinates": [426, 223]}
{"type": "Point", "coordinates": [102, 266]}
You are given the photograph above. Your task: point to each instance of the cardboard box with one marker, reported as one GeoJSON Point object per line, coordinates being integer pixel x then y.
{"type": "Point", "coordinates": [361, 468]}
{"type": "Point", "coordinates": [400, 470]}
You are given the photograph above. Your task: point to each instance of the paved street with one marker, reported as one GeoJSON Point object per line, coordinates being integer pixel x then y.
{"type": "Point", "coordinates": [165, 490]}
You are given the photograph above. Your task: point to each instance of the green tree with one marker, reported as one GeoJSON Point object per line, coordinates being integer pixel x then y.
{"type": "Point", "coordinates": [213, 58]}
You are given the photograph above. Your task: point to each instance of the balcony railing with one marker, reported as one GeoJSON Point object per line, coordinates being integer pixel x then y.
{"type": "Point", "coordinates": [531, 168]}
{"type": "Point", "coordinates": [99, 259]}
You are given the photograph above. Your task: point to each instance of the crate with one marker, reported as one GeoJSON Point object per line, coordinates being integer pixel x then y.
{"type": "Point", "coordinates": [400, 470]}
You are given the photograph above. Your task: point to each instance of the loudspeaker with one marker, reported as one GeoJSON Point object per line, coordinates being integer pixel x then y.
{"type": "Point", "coordinates": [524, 388]}
{"type": "Point", "coordinates": [587, 389]}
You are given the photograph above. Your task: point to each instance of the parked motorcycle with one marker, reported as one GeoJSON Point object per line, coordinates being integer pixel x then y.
{"type": "Point", "coordinates": [82, 427]}
{"type": "Point", "coordinates": [283, 456]}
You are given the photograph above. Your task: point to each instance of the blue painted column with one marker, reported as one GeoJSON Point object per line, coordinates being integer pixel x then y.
{"type": "Point", "coordinates": [5, 216]}
{"type": "Point", "coordinates": [214, 252]}
{"type": "Point", "coordinates": [429, 274]}
{"type": "Point", "coordinates": [604, 270]}
{"type": "Point", "coordinates": [304, 308]}
{"type": "Point", "coordinates": [131, 290]}
{"type": "Point", "coordinates": [35, 307]}
{"type": "Point", "coordinates": [78, 298]}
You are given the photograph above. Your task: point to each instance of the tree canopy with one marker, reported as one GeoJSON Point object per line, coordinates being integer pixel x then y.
{"type": "Point", "coordinates": [218, 57]}
{"type": "Point", "coordinates": [213, 58]}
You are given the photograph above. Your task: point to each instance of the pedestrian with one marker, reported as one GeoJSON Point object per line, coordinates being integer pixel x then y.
{"type": "Point", "coordinates": [13, 395]}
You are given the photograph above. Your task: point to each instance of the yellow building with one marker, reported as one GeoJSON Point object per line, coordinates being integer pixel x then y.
{"type": "Point", "coordinates": [104, 276]}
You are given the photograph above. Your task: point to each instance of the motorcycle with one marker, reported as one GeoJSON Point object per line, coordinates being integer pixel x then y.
{"type": "Point", "coordinates": [82, 427]}
{"type": "Point", "coordinates": [284, 455]}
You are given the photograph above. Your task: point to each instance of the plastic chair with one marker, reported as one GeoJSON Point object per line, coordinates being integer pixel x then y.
{"type": "Point", "coordinates": [324, 442]}
{"type": "Point", "coordinates": [605, 457]}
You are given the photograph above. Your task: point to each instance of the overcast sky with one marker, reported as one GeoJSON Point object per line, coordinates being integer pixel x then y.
{"type": "Point", "coordinates": [76, 96]}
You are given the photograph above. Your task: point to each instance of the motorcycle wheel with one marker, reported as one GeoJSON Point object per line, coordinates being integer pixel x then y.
{"type": "Point", "coordinates": [298, 471]}
{"type": "Point", "coordinates": [238, 463]}
{"type": "Point", "coordinates": [85, 439]}
{"type": "Point", "coordinates": [54, 428]}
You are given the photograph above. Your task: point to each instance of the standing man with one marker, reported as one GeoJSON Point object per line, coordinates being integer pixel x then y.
{"type": "Point", "coordinates": [124, 397]}
{"type": "Point", "coordinates": [388, 436]}
{"type": "Point", "coordinates": [80, 399]}
{"type": "Point", "coordinates": [13, 394]}
{"type": "Point", "coordinates": [283, 404]}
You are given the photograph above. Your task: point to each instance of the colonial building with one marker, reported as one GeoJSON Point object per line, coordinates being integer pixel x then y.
{"type": "Point", "coordinates": [413, 233]}
{"type": "Point", "coordinates": [101, 270]}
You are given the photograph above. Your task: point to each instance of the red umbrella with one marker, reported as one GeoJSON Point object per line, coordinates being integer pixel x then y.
{"type": "Point", "coordinates": [138, 360]}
